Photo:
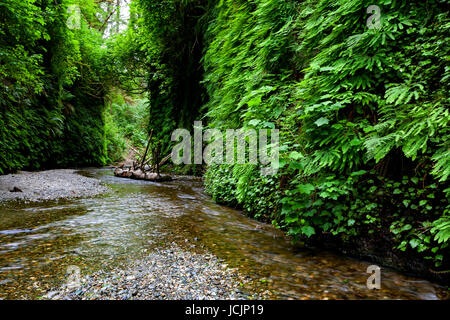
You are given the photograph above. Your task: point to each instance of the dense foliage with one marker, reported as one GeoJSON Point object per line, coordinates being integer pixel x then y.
{"type": "Point", "coordinates": [364, 115]}
{"type": "Point", "coordinates": [125, 127]}
{"type": "Point", "coordinates": [51, 96]}
{"type": "Point", "coordinates": [363, 109]}
{"type": "Point", "coordinates": [173, 44]}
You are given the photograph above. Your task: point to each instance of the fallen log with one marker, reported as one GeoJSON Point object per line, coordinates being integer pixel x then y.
{"type": "Point", "coordinates": [141, 175]}
{"type": "Point", "coordinates": [127, 174]}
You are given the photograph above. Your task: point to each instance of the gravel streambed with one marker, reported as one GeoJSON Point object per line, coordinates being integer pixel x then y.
{"type": "Point", "coordinates": [48, 185]}
{"type": "Point", "coordinates": [165, 274]}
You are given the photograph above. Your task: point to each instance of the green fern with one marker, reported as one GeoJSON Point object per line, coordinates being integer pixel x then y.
{"type": "Point", "coordinates": [441, 229]}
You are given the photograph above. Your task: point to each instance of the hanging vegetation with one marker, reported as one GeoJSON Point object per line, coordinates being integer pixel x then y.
{"type": "Point", "coordinates": [358, 91]}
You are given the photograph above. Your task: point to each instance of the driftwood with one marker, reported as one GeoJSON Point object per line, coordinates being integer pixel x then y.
{"type": "Point", "coordinates": [164, 160]}
{"type": "Point", "coordinates": [141, 170]}
{"type": "Point", "coordinates": [156, 157]}
{"type": "Point", "coordinates": [146, 149]}
{"type": "Point", "coordinates": [141, 175]}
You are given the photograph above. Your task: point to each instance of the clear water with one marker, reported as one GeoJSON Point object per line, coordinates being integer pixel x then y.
{"type": "Point", "coordinates": [39, 241]}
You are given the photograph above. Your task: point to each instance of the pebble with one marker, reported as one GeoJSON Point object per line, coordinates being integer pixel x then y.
{"type": "Point", "coordinates": [48, 185]}
{"type": "Point", "coordinates": [165, 274]}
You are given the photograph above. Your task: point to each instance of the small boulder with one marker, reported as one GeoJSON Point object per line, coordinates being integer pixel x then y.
{"type": "Point", "coordinates": [15, 189]}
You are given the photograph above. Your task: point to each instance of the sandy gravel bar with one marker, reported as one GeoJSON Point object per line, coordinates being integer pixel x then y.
{"type": "Point", "coordinates": [165, 274]}
{"type": "Point", "coordinates": [48, 185]}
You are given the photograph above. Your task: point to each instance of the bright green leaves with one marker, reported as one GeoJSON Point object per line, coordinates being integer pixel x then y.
{"type": "Point", "coordinates": [247, 61]}
{"type": "Point", "coordinates": [415, 117]}
{"type": "Point", "coordinates": [308, 231]}
{"type": "Point", "coordinates": [46, 113]}
{"type": "Point", "coordinates": [170, 52]}
{"type": "Point", "coordinates": [294, 155]}
{"type": "Point", "coordinates": [403, 94]}
{"type": "Point", "coordinates": [322, 121]}
{"type": "Point", "coordinates": [441, 229]}
{"type": "Point", "coordinates": [442, 160]}
{"type": "Point", "coordinates": [305, 188]}
{"type": "Point", "coordinates": [363, 114]}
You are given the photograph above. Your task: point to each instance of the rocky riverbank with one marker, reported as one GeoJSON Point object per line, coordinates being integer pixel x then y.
{"type": "Point", "coordinates": [48, 185]}
{"type": "Point", "coordinates": [165, 274]}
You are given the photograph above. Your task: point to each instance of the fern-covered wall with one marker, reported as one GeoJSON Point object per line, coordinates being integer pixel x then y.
{"type": "Point", "coordinates": [364, 119]}
{"type": "Point", "coordinates": [363, 112]}
{"type": "Point", "coordinates": [51, 96]}
{"type": "Point", "coordinates": [173, 44]}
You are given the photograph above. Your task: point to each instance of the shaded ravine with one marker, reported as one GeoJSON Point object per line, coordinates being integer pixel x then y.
{"type": "Point", "coordinates": [39, 241]}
